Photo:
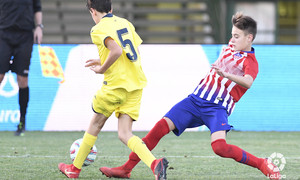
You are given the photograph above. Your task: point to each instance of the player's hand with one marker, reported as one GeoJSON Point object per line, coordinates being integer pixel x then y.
{"type": "Point", "coordinates": [94, 65]}
{"type": "Point", "coordinates": [220, 72]}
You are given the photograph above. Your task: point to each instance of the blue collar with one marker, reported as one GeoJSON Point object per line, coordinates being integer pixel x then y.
{"type": "Point", "coordinates": [108, 15]}
{"type": "Point", "coordinates": [252, 50]}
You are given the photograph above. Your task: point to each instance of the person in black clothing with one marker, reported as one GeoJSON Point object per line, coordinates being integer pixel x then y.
{"type": "Point", "coordinates": [20, 25]}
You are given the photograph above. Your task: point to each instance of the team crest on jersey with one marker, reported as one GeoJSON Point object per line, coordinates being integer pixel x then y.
{"type": "Point", "coordinates": [237, 56]}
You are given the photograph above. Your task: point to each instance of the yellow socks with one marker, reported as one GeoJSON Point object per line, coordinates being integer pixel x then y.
{"type": "Point", "coordinates": [134, 143]}
{"type": "Point", "coordinates": [84, 149]}
{"type": "Point", "coordinates": [140, 148]}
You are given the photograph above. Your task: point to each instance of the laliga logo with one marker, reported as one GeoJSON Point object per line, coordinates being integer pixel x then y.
{"type": "Point", "coordinates": [279, 161]}
{"type": "Point", "coordinates": [9, 78]}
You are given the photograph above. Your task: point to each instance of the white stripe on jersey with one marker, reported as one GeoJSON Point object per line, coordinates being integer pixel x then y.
{"type": "Point", "coordinates": [228, 95]}
{"type": "Point", "coordinates": [212, 91]}
{"type": "Point", "coordinates": [217, 100]}
{"type": "Point", "coordinates": [200, 85]}
{"type": "Point", "coordinates": [206, 87]}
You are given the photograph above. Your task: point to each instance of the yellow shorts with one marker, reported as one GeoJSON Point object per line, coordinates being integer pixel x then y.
{"type": "Point", "coordinates": [107, 101]}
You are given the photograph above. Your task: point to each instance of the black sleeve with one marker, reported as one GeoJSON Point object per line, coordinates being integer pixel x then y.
{"type": "Point", "coordinates": [37, 6]}
{"type": "Point", "coordinates": [18, 14]}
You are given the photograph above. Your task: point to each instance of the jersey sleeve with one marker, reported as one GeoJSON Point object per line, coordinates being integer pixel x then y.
{"type": "Point", "coordinates": [136, 38]}
{"type": "Point", "coordinates": [37, 7]}
{"type": "Point", "coordinates": [98, 37]}
{"type": "Point", "coordinates": [251, 67]}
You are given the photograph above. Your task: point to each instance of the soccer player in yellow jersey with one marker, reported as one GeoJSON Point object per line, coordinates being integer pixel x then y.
{"type": "Point", "coordinates": [121, 92]}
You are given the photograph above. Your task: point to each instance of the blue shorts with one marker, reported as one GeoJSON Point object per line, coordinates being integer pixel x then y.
{"type": "Point", "coordinates": [193, 112]}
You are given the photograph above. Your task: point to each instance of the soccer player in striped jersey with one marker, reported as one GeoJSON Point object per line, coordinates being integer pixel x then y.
{"type": "Point", "coordinates": [121, 92]}
{"type": "Point", "coordinates": [213, 101]}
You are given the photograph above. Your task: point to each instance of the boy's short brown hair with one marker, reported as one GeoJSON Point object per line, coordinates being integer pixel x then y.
{"type": "Point", "coordinates": [245, 23]}
{"type": "Point", "coordinates": [103, 6]}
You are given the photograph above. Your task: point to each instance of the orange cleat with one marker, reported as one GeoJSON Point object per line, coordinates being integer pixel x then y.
{"type": "Point", "coordinates": [270, 170]}
{"type": "Point", "coordinates": [117, 172]}
{"type": "Point", "coordinates": [160, 169]}
{"type": "Point", "coordinates": [69, 170]}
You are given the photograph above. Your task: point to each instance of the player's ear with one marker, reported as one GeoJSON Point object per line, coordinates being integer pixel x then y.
{"type": "Point", "coordinates": [93, 11]}
{"type": "Point", "coordinates": [249, 37]}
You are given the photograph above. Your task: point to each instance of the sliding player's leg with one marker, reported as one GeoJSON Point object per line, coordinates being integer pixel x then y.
{"type": "Point", "coordinates": [221, 148]}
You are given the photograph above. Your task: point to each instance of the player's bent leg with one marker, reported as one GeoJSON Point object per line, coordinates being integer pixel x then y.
{"type": "Point", "coordinates": [160, 129]}
{"type": "Point", "coordinates": [73, 170]}
{"type": "Point", "coordinates": [124, 133]}
{"type": "Point", "coordinates": [89, 139]}
{"type": "Point", "coordinates": [221, 148]}
{"type": "Point", "coordinates": [158, 166]}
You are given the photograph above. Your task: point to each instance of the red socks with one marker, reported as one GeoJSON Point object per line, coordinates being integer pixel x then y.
{"type": "Point", "coordinates": [225, 150]}
{"type": "Point", "coordinates": [220, 147]}
{"type": "Point", "coordinates": [160, 129]}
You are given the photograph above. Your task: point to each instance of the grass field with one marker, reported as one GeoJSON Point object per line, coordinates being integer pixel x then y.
{"type": "Point", "coordinates": [36, 155]}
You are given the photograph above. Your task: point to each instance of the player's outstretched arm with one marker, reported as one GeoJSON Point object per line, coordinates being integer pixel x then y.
{"type": "Point", "coordinates": [245, 81]}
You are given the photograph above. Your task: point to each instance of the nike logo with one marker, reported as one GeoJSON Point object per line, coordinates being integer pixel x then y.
{"type": "Point", "coordinates": [67, 172]}
{"type": "Point", "coordinates": [223, 124]}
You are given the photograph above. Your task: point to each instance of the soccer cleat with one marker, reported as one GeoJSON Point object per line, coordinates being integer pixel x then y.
{"type": "Point", "coordinates": [69, 170]}
{"type": "Point", "coordinates": [117, 172]}
{"type": "Point", "coordinates": [268, 169]}
{"type": "Point", "coordinates": [21, 129]}
{"type": "Point", "coordinates": [160, 169]}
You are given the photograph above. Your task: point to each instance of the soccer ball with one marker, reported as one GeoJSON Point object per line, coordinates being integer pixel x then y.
{"type": "Point", "coordinates": [75, 148]}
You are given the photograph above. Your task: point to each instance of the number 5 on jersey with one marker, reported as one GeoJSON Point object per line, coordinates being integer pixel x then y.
{"type": "Point", "coordinates": [133, 55]}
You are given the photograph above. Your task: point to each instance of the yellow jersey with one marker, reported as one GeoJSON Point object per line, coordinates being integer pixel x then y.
{"type": "Point", "coordinates": [126, 72]}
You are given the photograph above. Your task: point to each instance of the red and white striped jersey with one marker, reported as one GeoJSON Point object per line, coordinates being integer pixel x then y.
{"type": "Point", "coordinates": [223, 91]}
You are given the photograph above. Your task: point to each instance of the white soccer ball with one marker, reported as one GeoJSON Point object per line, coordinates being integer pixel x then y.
{"type": "Point", "coordinates": [75, 148]}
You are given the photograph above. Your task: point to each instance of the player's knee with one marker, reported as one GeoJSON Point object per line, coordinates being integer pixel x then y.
{"type": "Point", "coordinates": [22, 81]}
{"type": "Point", "coordinates": [219, 147]}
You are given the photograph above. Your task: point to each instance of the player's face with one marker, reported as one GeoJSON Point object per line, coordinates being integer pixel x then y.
{"type": "Point", "coordinates": [240, 40]}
